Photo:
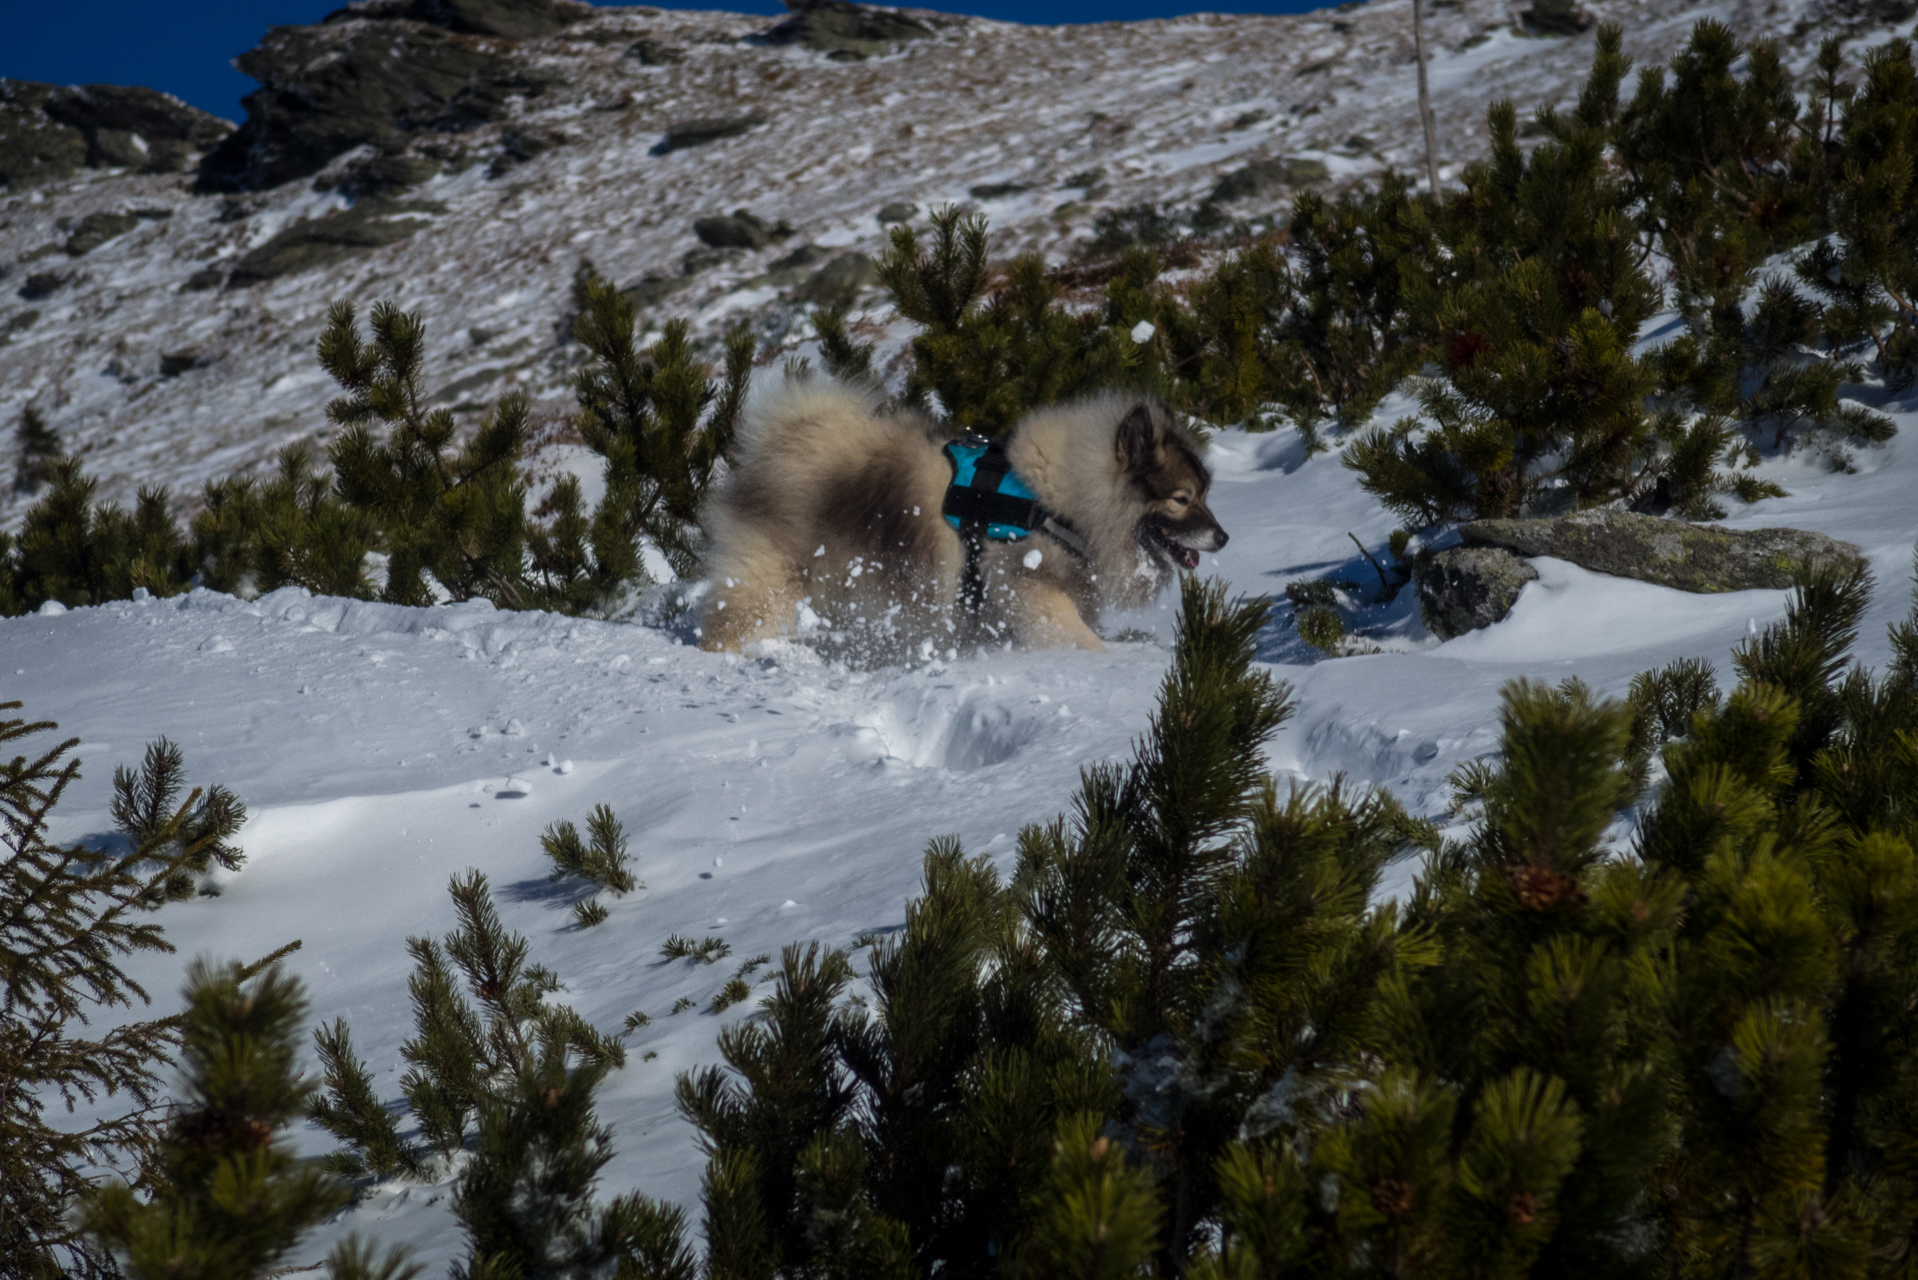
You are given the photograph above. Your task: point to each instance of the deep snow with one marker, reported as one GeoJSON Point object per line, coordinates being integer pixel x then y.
{"type": "Point", "coordinates": [383, 750]}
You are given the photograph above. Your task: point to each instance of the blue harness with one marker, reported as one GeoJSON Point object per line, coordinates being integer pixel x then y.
{"type": "Point", "coordinates": [988, 501]}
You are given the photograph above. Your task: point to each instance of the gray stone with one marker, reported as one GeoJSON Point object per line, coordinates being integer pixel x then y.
{"type": "Point", "coordinates": [1464, 588]}
{"type": "Point", "coordinates": [898, 211]}
{"type": "Point", "coordinates": [203, 279]}
{"type": "Point", "coordinates": [847, 31]}
{"type": "Point", "coordinates": [96, 229]}
{"type": "Point", "coordinates": [736, 230]}
{"type": "Point", "coordinates": [997, 190]}
{"type": "Point", "coordinates": [653, 290]}
{"type": "Point", "coordinates": [1264, 177]}
{"type": "Point", "coordinates": [175, 363]}
{"type": "Point", "coordinates": [806, 255]}
{"type": "Point", "coordinates": [43, 284]}
{"type": "Point", "coordinates": [704, 129]}
{"type": "Point", "coordinates": [1556, 18]}
{"type": "Point", "coordinates": [1671, 553]}
{"type": "Point", "coordinates": [320, 242]}
{"type": "Point", "coordinates": [656, 53]}
{"type": "Point", "coordinates": [839, 281]}
{"type": "Point", "coordinates": [328, 89]}
{"type": "Point", "coordinates": [381, 174]}
{"type": "Point", "coordinates": [18, 322]}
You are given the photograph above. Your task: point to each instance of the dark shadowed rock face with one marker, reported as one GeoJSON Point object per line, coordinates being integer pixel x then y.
{"type": "Point", "coordinates": [47, 132]}
{"type": "Point", "coordinates": [1464, 588]}
{"type": "Point", "coordinates": [328, 89]}
{"type": "Point", "coordinates": [845, 30]}
{"type": "Point", "coordinates": [514, 19]}
{"type": "Point", "coordinates": [1671, 553]}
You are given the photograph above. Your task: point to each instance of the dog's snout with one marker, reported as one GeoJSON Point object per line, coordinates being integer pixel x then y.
{"type": "Point", "coordinates": [1219, 538]}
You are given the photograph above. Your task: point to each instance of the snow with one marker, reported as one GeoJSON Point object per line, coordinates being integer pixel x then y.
{"type": "Point", "coordinates": [774, 799]}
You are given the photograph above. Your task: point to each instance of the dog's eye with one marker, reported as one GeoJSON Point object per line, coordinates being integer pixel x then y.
{"type": "Point", "coordinates": [1182, 498]}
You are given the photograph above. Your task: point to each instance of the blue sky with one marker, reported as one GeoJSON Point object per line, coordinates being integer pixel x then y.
{"type": "Point", "coordinates": [185, 47]}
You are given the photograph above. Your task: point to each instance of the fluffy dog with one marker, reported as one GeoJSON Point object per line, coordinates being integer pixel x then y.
{"type": "Point", "coordinates": [833, 511]}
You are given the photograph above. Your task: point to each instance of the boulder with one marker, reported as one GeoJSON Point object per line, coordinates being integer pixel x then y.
{"type": "Point", "coordinates": [96, 229]}
{"type": "Point", "coordinates": [1264, 177]}
{"type": "Point", "coordinates": [1464, 588]}
{"type": "Point", "coordinates": [43, 284]}
{"type": "Point", "coordinates": [380, 174]}
{"type": "Point", "coordinates": [320, 242]}
{"type": "Point", "coordinates": [997, 190]}
{"type": "Point", "coordinates": [839, 281]}
{"type": "Point", "coordinates": [704, 129]}
{"type": "Point", "coordinates": [326, 90]}
{"type": "Point", "coordinates": [1670, 553]}
{"type": "Point", "coordinates": [848, 31]}
{"type": "Point", "coordinates": [739, 229]}
{"type": "Point", "coordinates": [1556, 18]}
{"type": "Point", "coordinates": [656, 53]}
{"type": "Point", "coordinates": [897, 211]}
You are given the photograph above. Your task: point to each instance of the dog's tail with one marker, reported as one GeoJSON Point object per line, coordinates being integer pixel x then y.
{"type": "Point", "coordinates": [794, 413]}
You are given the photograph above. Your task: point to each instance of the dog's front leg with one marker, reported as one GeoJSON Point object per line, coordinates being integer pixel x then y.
{"type": "Point", "coordinates": [1048, 619]}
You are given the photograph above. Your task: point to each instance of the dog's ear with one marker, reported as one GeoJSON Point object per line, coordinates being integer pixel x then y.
{"type": "Point", "coordinates": [1137, 440]}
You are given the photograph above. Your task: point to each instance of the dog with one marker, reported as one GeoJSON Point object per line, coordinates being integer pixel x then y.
{"type": "Point", "coordinates": [833, 515]}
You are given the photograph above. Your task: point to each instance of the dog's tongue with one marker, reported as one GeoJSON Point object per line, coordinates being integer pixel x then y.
{"type": "Point", "coordinates": [1188, 557]}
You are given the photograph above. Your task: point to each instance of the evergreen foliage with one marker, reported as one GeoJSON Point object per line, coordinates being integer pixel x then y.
{"type": "Point", "coordinates": [228, 1198]}
{"type": "Point", "coordinates": [602, 863]}
{"type": "Point", "coordinates": [36, 447]}
{"type": "Point", "coordinates": [662, 427]}
{"type": "Point", "coordinates": [69, 916]}
{"type": "Point", "coordinates": [351, 1111]}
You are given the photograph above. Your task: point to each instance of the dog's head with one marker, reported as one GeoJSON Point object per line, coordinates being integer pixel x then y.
{"type": "Point", "coordinates": [1162, 463]}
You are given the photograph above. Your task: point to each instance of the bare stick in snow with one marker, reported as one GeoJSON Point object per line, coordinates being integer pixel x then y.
{"type": "Point", "coordinates": [1425, 102]}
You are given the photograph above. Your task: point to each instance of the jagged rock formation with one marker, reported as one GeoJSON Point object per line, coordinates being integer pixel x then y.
{"type": "Point", "coordinates": [1464, 588]}
{"type": "Point", "coordinates": [49, 132]}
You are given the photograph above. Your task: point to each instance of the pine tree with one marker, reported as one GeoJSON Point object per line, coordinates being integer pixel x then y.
{"type": "Point", "coordinates": [990, 356]}
{"type": "Point", "coordinates": [602, 863]}
{"type": "Point", "coordinates": [294, 530]}
{"type": "Point", "coordinates": [662, 427]}
{"type": "Point", "coordinates": [228, 1198]}
{"type": "Point", "coordinates": [68, 917]}
{"type": "Point", "coordinates": [454, 514]}
{"type": "Point", "coordinates": [148, 811]}
{"type": "Point", "coordinates": [36, 447]}
{"type": "Point", "coordinates": [351, 1111]}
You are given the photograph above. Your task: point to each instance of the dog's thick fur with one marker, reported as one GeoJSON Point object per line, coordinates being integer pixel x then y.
{"type": "Point", "coordinates": [836, 506]}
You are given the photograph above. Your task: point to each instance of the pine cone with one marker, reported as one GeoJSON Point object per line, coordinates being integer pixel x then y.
{"type": "Point", "coordinates": [1392, 1196]}
{"type": "Point", "coordinates": [1542, 888]}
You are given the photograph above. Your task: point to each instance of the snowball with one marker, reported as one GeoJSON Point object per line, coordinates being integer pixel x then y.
{"type": "Point", "coordinates": [565, 766]}
{"type": "Point", "coordinates": [1033, 557]}
{"type": "Point", "coordinates": [52, 609]}
{"type": "Point", "coordinates": [1143, 331]}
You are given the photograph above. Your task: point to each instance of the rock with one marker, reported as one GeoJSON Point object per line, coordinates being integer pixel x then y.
{"type": "Point", "coordinates": [1464, 588]}
{"type": "Point", "coordinates": [175, 363]}
{"type": "Point", "coordinates": [698, 132]}
{"type": "Point", "coordinates": [328, 89]}
{"type": "Point", "coordinates": [847, 31]}
{"type": "Point", "coordinates": [997, 190]}
{"type": "Point", "coordinates": [319, 242]}
{"type": "Point", "coordinates": [656, 53]}
{"type": "Point", "coordinates": [806, 255]}
{"type": "Point", "coordinates": [898, 211]}
{"type": "Point", "coordinates": [1085, 179]}
{"type": "Point", "coordinates": [839, 281]}
{"type": "Point", "coordinates": [1263, 177]}
{"type": "Point", "coordinates": [96, 229]}
{"type": "Point", "coordinates": [380, 174]}
{"type": "Point", "coordinates": [517, 146]}
{"type": "Point", "coordinates": [43, 284]}
{"type": "Point", "coordinates": [203, 279]}
{"type": "Point", "coordinates": [1670, 553]}
{"type": "Point", "coordinates": [133, 127]}
{"type": "Point", "coordinates": [19, 322]}
{"type": "Point", "coordinates": [1556, 18]}
{"type": "Point", "coordinates": [698, 260]}
{"type": "Point", "coordinates": [514, 19]}
{"type": "Point", "coordinates": [738, 230]}
{"type": "Point", "coordinates": [35, 148]}
{"type": "Point", "coordinates": [653, 290]}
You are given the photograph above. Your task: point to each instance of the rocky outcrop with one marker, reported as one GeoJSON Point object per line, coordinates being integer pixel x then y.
{"type": "Point", "coordinates": [849, 32]}
{"type": "Point", "coordinates": [96, 229]}
{"type": "Point", "coordinates": [321, 242]}
{"type": "Point", "coordinates": [1264, 177]}
{"type": "Point", "coordinates": [49, 132]}
{"type": "Point", "coordinates": [698, 132]}
{"type": "Point", "coordinates": [514, 19]}
{"type": "Point", "coordinates": [1671, 553]}
{"type": "Point", "coordinates": [1464, 588]}
{"type": "Point", "coordinates": [328, 89]}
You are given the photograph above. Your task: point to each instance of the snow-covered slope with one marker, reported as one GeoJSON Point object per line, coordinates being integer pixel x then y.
{"type": "Point", "coordinates": [383, 750]}
{"type": "Point", "coordinates": [1160, 110]}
